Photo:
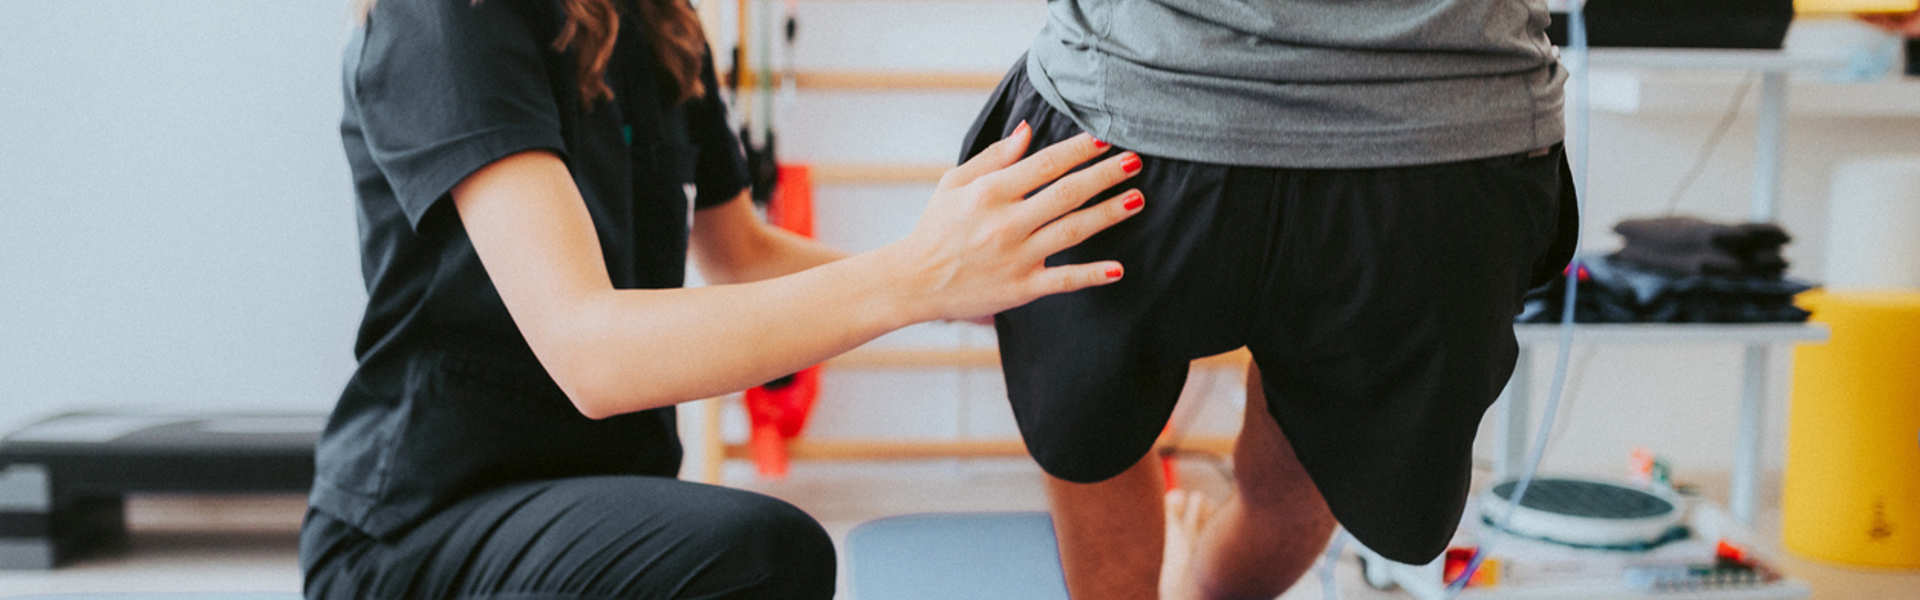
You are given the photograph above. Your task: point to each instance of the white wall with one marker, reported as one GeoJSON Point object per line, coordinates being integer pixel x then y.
{"type": "Point", "coordinates": [176, 225]}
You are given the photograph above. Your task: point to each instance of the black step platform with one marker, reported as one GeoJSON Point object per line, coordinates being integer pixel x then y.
{"type": "Point", "coordinates": [64, 481]}
{"type": "Point", "coordinates": [1742, 24]}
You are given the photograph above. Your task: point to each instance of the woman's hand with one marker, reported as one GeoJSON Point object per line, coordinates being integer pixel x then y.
{"type": "Point", "coordinates": [981, 246]}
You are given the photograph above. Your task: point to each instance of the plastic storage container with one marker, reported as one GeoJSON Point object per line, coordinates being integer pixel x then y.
{"type": "Point", "coordinates": [1852, 489]}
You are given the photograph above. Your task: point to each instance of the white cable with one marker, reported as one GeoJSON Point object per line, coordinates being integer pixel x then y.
{"type": "Point", "coordinates": [1328, 589]}
{"type": "Point", "coordinates": [1576, 60]}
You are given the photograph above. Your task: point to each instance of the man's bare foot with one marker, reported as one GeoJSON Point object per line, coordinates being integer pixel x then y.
{"type": "Point", "coordinates": [1187, 514]}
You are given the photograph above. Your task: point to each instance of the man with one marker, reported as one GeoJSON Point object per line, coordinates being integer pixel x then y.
{"type": "Point", "coordinates": [1358, 192]}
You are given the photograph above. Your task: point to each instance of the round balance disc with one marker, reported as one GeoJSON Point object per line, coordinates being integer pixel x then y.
{"type": "Point", "coordinates": [1585, 513]}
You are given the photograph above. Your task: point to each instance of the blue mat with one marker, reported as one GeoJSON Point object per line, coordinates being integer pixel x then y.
{"type": "Point", "coordinates": [962, 556]}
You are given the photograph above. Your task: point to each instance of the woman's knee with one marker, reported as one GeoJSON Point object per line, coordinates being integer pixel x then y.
{"type": "Point", "coordinates": [769, 536]}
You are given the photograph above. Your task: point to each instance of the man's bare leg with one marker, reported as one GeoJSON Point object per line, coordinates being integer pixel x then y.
{"type": "Point", "coordinates": [1259, 543]}
{"type": "Point", "coordinates": [1272, 528]}
{"type": "Point", "coordinates": [1111, 533]}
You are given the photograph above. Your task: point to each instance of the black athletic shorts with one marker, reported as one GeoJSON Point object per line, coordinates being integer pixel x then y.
{"type": "Point", "coordinates": [1378, 304]}
{"type": "Point", "coordinates": [585, 538]}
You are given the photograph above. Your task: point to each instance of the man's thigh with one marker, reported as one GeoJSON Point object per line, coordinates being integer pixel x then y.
{"type": "Point", "coordinates": [1388, 330]}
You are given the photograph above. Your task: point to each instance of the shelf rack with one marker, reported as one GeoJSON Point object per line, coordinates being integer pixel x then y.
{"type": "Point", "coordinates": [1515, 404]}
{"type": "Point", "coordinates": [1773, 67]}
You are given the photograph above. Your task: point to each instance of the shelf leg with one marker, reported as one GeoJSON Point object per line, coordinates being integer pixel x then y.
{"type": "Point", "coordinates": [1747, 444]}
{"type": "Point", "coordinates": [1516, 411]}
{"type": "Point", "coordinates": [1769, 146]}
{"type": "Point", "coordinates": [713, 447]}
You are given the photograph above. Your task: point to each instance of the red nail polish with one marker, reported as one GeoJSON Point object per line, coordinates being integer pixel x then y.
{"type": "Point", "coordinates": [1113, 273]}
{"type": "Point", "coordinates": [1020, 130]}
{"type": "Point", "coordinates": [1135, 202]}
{"type": "Point", "coordinates": [1100, 144]}
{"type": "Point", "coordinates": [1131, 163]}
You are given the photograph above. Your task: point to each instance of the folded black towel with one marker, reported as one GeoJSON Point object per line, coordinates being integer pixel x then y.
{"type": "Point", "coordinates": [1684, 262]}
{"type": "Point", "coordinates": [1686, 246]}
{"type": "Point", "coordinates": [1690, 232]}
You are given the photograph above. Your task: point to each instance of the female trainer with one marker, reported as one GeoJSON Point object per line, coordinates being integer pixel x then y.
{"type": "Point", "coordinates": [532, 176]}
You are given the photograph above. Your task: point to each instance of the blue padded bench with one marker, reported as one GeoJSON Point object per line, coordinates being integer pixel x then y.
{"type": "Point", "coordinates": [64, 481]}
{"type": "Point", "coordinates": [958, 556]}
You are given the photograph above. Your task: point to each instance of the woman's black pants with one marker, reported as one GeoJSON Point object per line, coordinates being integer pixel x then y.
{"type": "Point", "coordinates": [591, 538]}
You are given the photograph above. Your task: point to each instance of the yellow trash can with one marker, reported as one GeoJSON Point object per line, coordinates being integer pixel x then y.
{"type": "Point", "coordinates": [1852, 489]}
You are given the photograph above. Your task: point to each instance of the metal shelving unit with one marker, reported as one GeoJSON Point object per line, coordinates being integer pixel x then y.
{"type": "Point", "coordinates": [1758, 340]}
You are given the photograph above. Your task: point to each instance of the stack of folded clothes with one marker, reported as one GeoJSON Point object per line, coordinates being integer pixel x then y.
{"type": "Point", "coordinates": [1680, 270]}
{"type": "Point", "coordinates": [1686, 247]}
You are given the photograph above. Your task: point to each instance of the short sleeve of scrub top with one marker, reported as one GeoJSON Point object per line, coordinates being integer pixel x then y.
{"type": "Point", "coordinates": [439, 97]}
{"type": "Point", "coordinates": [722, 171]}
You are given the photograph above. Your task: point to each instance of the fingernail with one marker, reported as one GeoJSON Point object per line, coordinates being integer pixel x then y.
{"type": "Point", "coordinates": [1131, 163]}
{"type": "Point", "coordinates": [1113, 272]}
{"type": "Point", "coordinates": [1100, 144]}
{"type": "Point", "coordinates": [1021, 130]}
{"type": "Point", "coordinates": [1134, 202]}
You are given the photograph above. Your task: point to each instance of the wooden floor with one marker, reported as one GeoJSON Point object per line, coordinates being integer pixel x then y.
{"type": "Point", "coordinates": [247, 543]}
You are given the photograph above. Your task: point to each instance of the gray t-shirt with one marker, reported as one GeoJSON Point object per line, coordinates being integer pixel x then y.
{"type": "Point", "coordinates": [1304, 83]}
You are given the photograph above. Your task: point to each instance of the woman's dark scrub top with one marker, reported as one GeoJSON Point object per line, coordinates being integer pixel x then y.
{"type": "Point", "coordinates": [448, 399]}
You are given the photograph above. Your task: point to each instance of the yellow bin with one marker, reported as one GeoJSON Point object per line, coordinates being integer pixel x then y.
{"type": "Point", "coordinates": [1852, 490]}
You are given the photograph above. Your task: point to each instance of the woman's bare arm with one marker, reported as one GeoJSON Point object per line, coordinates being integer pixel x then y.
{"type": "Point", "coordinates": [730, 244]}
{"type": "Point", "coordinates": [978, 249]}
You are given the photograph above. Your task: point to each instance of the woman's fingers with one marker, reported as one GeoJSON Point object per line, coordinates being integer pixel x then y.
{"type": "Point", "coordinates": [981, 249]}
{"type": "Point", "coordinates": [1070, 230]}
{"type": "Point", "coordinates": [996, 157]}
{"type": "Point", "coordinates": [1056, 232]}
{"type": "Point", "coordinates": [1074, 190]}
{"type": "Point", "coordinates": [1046, 165]}
{"type": "Point", "coordinates": [1063, 279]}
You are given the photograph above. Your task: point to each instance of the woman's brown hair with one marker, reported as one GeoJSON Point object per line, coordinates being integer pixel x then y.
{"type": "Point", "coordinates": [592, 26]}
